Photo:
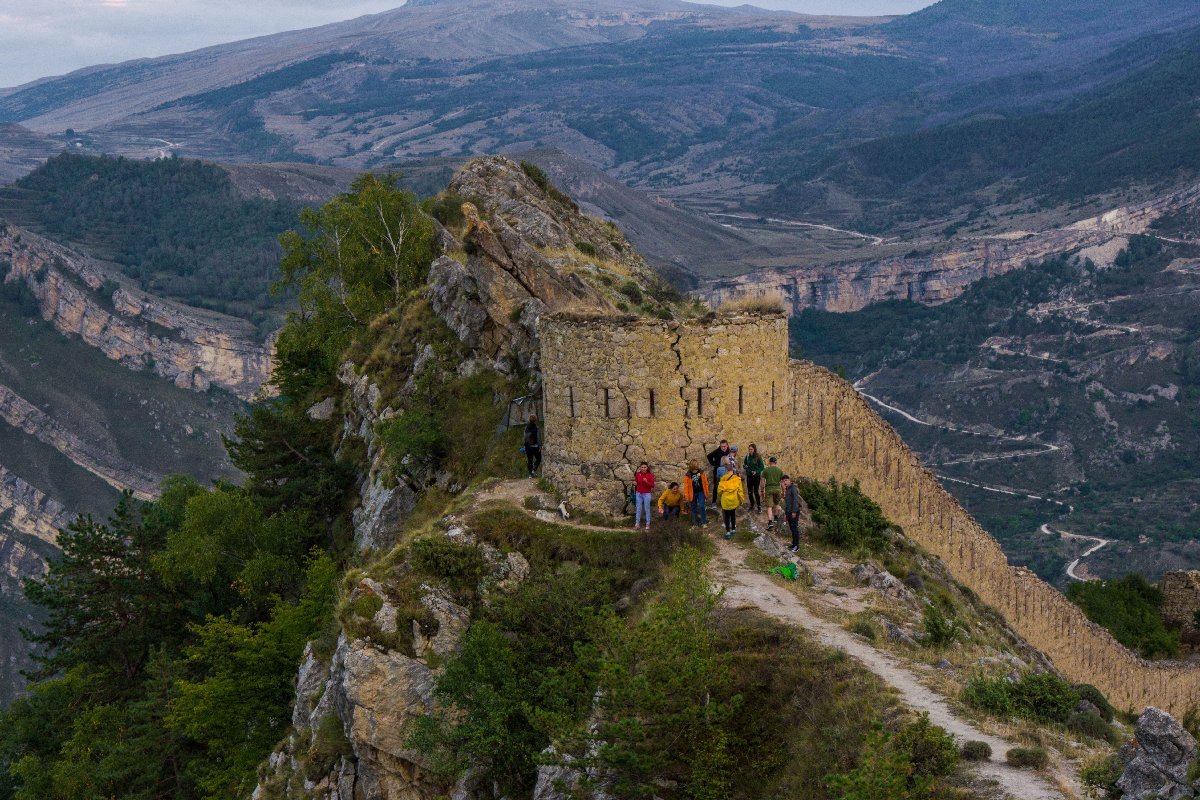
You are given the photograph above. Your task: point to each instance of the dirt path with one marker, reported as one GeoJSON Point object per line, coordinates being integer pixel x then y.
{"type": "Point", "coordinates": [746, 587]}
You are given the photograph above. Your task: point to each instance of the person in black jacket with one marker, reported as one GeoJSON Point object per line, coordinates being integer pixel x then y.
{"type": "Point", "coordinates": [714, 459]}
{"type": "Point", "coordinates": [533, 445]}
{"type": "Point", "coordinates": [791, 510]}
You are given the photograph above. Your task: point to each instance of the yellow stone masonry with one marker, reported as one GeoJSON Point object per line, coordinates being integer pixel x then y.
{"type": "Point", "coordinates": [621, 390]}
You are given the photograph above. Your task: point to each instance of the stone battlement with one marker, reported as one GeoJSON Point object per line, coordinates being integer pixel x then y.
{"type": "Point", "coordinates": [622, 390]}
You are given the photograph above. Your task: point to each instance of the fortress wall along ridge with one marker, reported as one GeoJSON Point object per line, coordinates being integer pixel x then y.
{"type": "Point", "coordinates": [619, 390]}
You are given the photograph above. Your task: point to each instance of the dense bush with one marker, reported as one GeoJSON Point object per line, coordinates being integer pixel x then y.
{"type": "Point", "coordinates": [414, 440]}
{"type": "Point", "coordinates": [905, 765]}
{"type": "Point", "coordinates": [845, 517]}
{"type": "Point", "coordinates": [1091, 724]}
{"type": "Point", "coordinates": [1041, 696]}
{"type": "Point", "coordinates": [941, 628]}
{"type": "Point", "coordinates": [1034, 757]}
{"type": "Point", "coordinates": [976, 750]}
{"type": "Point", "coordinates": [1094, 696]}
{"type": "Point", "coordinates": [461, 565]}
{"type": "Point", "coordinates": [1130, 608]}
{"type": "Point", "coordinates": [1100, 774]}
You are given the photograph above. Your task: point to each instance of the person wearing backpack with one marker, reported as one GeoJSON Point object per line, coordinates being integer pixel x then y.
{"type": "Point", "coordinates": [753, 466]}
{"type": "Point", "coordinates": [731, 496]}
{"type": "Point", "coordinates": [695, 492]}
{"type": "Point", "coordinates": [533, 445]}
{"type": "Point", "coordinates": [643, 484]}
{"type": "Point", "coordinates": [714, 460]}
{"type": "Point", "coordinates": [791, 510]}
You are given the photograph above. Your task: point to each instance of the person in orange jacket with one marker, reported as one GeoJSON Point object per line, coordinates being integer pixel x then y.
{"type": "Point", "coordinates": [695, 492]}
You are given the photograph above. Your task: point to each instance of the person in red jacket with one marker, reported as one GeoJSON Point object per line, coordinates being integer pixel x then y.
{"type": "Point", "coordinates": [643, 486]}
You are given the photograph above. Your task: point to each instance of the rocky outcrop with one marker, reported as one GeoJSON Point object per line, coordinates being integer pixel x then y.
{"type": "Point", "coordinates": [493, 297]}
{"type": "Point", "coordinates": [109, 467]}
{"type": "Point", "coordinates": [29, 510]}
{"type": "Point", "coordinates": [194, 349]}
{"type": "Point", "coordinates": [939, 276]}
{"type": "Point", "coordinates": [1157, 761]}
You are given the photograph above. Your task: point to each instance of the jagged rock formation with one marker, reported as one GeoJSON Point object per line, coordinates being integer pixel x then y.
{"type": "Point", "coordinates": [937, 277]}
{"type": "Point", "coordinates": [194, 349]}
{"type": "Point", "coordinates": [1158, 760]}
{"type": "Point", "coordinates": [32, 512]}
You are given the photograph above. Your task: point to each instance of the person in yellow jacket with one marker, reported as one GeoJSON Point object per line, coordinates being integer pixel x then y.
{"type": "Point", "coordinates": [730, 495]}
{"type": "Point", "coordinates": [671, 502]}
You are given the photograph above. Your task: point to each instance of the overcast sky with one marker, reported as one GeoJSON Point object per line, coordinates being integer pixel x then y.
{"type": "Point", "coordinates": [51, 37]}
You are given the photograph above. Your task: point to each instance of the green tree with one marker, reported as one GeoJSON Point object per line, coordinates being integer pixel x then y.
{"type": "Point", "coordinates": [356, 257]}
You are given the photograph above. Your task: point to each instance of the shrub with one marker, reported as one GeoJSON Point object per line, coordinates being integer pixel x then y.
{"type": "Point", "coordinates": [446, 208]}
{"type": "Point", "coordinates": [1034, 757]}
{"type": "Point", "coordinates": [587, 248]}
{"type": "Point", "coordinates": [535, 174]}
{"type": "Point", "coordinates": [1045, 697]}
{"type": "Point", "coordinates": [461, 565]}
{"type": "Point", "coordinates": [754, 304]}
{"type": "Point", "coordinates": [883, 773]}
{"type": "Point", "coordinates": [1092, 725]}
{"type": "Point", "coordinates": [976, 750]}
{"type": "Point", "coordinates": [414, 437]}
{"type": "Point", "coordinates": [845, 517]}
{"type": "Point", "coordinates": [1094, 696]}
{"type": "Point", "coordinates": [930, 749]}
{"type": "Point", "coordinates": [941, 628]}
{"type": "Point", "coordinates": [1100, 774]}
{"type": "Point", "coordinates": [632, 291]}
{"type": "Point", "coordinates": [863, 628]}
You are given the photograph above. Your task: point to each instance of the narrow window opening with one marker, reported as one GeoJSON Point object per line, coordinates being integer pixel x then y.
{"type": "Point", "coordinates": [772, 395]}
{"type": "Point", "coordinates": [607, 403]}
{"type": "Point", "coordinates": [652, 402]}
{"type": "Point", "coordinates": [699, 402]}
{"type": "Point", "coordinates": [571, 399]}
{"type": "Point", "coordinates": [741, 403]}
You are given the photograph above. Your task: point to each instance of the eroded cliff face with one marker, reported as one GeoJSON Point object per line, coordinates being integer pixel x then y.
{"type": "Point", "coordinates": [936, 278]}
{"type": "Point", "coordinates": [194, 349]}
{"type": "Point", "coordinates": [29, 510]}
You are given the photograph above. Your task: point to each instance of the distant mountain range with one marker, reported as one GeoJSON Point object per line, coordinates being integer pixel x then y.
{"type": "Point", "coordinates": [904, 125]}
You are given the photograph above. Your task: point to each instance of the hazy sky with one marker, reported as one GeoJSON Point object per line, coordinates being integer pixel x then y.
{"type": "Point", "coordinates": [50, 37]}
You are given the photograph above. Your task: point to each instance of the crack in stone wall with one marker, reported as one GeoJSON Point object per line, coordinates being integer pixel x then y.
{"type": "Point", "coordinates": [827, 431]}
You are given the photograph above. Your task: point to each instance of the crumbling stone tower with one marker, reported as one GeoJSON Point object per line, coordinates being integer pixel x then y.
{"type": "Point", "coordinates": [619, 390]}
{"type": "Point", "coordinates": [622, 390]}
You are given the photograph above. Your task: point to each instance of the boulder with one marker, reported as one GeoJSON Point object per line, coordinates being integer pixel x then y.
{"type": "Point", "coordinates": [1156, 765]}
{"type": "Point", "coordinates": [896, 634]}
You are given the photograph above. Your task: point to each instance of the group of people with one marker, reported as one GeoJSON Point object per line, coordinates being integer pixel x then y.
{"type": "Point", "coordinates": [733, 486]}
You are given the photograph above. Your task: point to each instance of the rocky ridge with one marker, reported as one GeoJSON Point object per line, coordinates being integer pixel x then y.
{"type": "Point", "coordinates": [141, 332]}
{"type": "Point", "coordinates": [937, 277]}
{"type": "Point", "coordinates": [32, 511]}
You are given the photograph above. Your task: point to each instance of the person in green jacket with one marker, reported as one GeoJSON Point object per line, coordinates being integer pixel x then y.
{"type": "Point", "coordinates": [753, 466]}
{"type": "Point", "coordinates": [772, 477]}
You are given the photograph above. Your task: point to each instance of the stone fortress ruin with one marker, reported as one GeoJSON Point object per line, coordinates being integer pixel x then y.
{"type": "Point", "coordinates": [619, 390]}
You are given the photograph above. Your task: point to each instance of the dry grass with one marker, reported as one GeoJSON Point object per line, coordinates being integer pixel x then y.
{"type": "Point", "coordinates": [765, 303]}
{"type": "Point", "coordinates": [576, 257]}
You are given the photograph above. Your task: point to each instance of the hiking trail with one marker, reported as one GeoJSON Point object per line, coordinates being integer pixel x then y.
{"type": "Point", "coordinates": [746, 587]}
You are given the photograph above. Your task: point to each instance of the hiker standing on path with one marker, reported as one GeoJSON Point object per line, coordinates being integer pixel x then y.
{"type": "Point", "coordinates": [695, 491]}
{"type": "Point", "coordinates": [754, 466]}
{"type": "Point", "coordinates": [643, 486]}
{"type": "Point", "coordinates": [714, 459]}
{"type": "Point", "coordinates": [671, 502]}
{"type": "Point", "coordinates": [791, 509]}
{"type": "Point", "coordinates": [772, 478]}
{"type": "Point", "coordinates": [731, 496]}
{"type": "Point", "coordinates": [533, 445]}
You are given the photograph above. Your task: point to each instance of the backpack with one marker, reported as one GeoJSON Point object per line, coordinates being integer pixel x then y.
{"type": "Point", "coordinates": [698, 485]}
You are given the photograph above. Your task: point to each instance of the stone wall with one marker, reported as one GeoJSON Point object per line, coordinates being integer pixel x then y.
{"type": "Point", "coordinates": [1181, 596]}
{"type": "Point", "coordinates": [620, 391]}
{"type": "Point", "coordinates": [598, 377]}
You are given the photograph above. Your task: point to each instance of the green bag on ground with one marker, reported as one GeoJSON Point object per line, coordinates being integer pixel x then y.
{"type": "Point", "coordinates": [787, 570]}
